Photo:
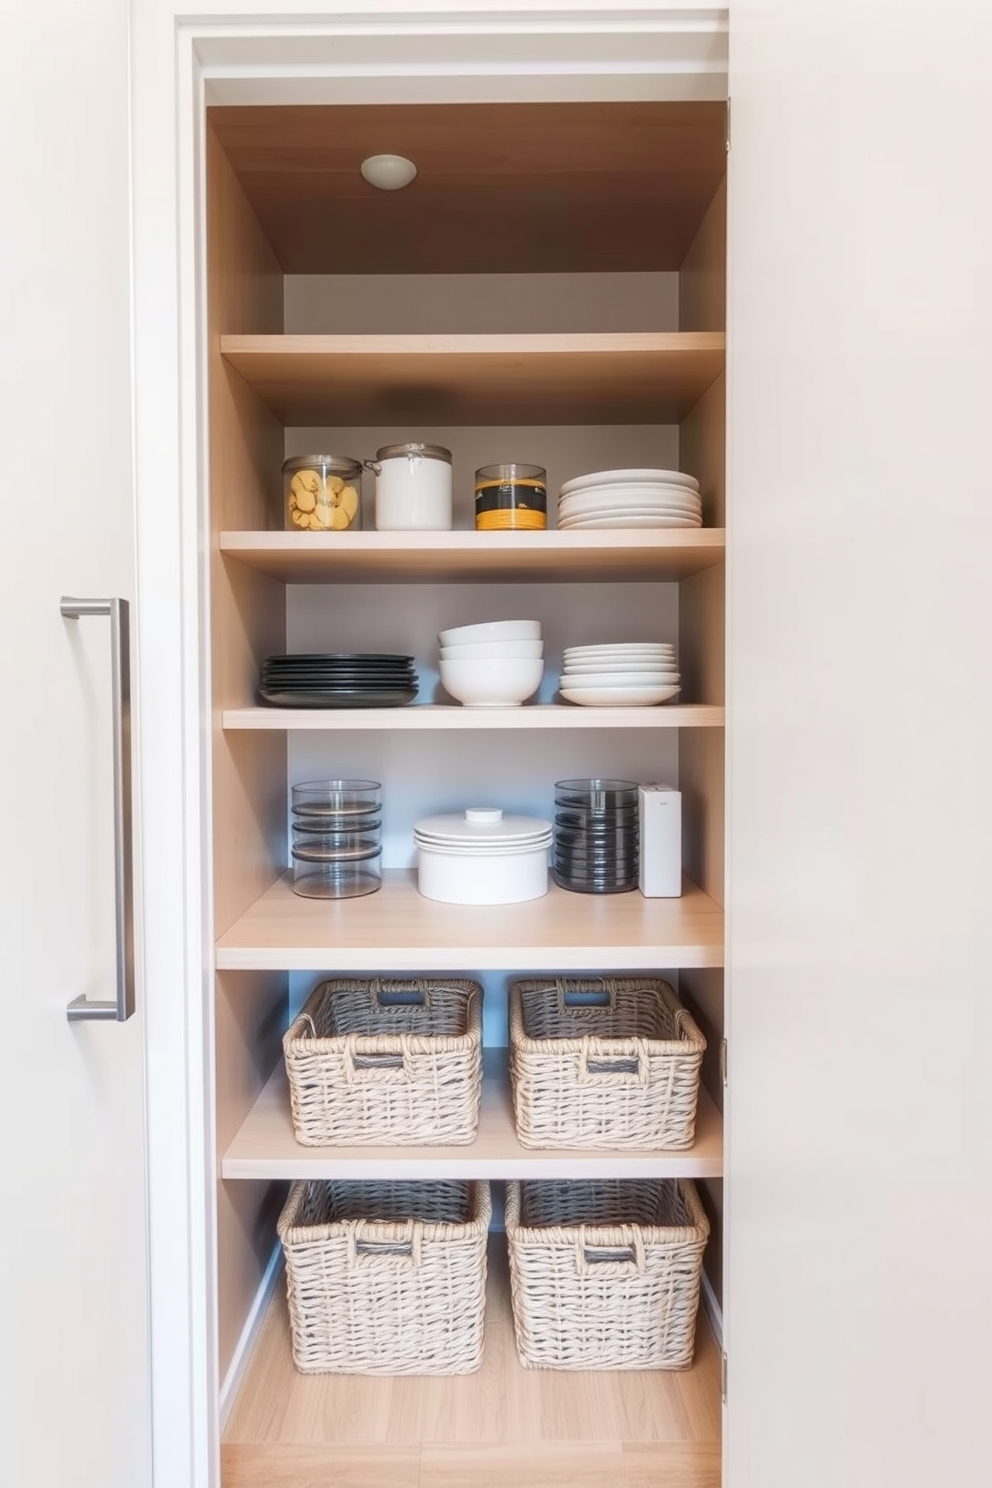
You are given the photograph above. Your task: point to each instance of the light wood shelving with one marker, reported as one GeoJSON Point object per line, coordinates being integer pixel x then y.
{"type": "Point", "coordinates": [265, 1146]}
{"type": "Point", "coordinates": [453, 716]}
{"type": "Point", "coordinates": [502, 1427]}
{"type": "Point", "coordinates": [605, 378]}
{"type": "Point", "coordinates": [649, 555]}
{"type": "Point", "coordinates": [396, 929]}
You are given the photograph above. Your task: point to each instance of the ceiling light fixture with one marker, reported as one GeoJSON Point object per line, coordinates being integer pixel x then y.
{"type": "Point", "coordinates": [388, 172]}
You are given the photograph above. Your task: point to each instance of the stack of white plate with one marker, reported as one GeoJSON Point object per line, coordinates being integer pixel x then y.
{"type": "Point", "coordinates": [630, 498]}
{"type": "Point", "coordinates": [635, 674]}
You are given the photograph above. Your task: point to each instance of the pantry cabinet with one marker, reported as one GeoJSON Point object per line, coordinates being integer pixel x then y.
{"type": "Point", "coordinates": [837, 327]}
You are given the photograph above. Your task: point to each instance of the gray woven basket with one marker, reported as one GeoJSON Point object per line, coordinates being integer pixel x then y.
{"type": "Point", "coordinates": [386, 1278]}
{"type": "Point", "coordinates": [605, 1274]}
{"type": "Point", "coordinates": [386, 1061]}
{"type": "Point", "coordinates": [608, 1063]}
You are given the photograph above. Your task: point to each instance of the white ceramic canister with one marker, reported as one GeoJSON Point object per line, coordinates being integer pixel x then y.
{"type": "Point", "coordinates": [482, 857]}
{"type": "Point", "coordinates": [412, 488]}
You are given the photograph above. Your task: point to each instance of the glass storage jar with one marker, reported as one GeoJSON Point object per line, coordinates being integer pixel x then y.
{"type": "Point", "coordinates": [323, 493]}
{"type": "Point", "coordinates": [511, 497]}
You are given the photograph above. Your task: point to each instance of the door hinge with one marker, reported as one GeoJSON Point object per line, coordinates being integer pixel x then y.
{"type": "Point", "coordinates": [727, 126]}
{"type": "Point", "coordinates": [723, 1376]}
{"type": "Point", "coordinates": [723, 1061]}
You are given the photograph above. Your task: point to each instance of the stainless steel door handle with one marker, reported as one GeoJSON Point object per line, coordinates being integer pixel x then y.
{"type": "Point", "coordinates": [120, 665]}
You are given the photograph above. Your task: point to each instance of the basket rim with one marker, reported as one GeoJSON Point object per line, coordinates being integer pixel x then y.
{"type": "Point", "coordinates": [297, 1039]}
{"type": "Point", "coordinates": [291, 1232]}
{"type": "Point", "coordinates": [521, 1041]}
{"type": "Point", "coordinates": [604, 1234]}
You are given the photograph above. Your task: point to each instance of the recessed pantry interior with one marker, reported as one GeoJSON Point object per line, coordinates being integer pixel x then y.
{"type": "Point", "coordinates": [551, 289]}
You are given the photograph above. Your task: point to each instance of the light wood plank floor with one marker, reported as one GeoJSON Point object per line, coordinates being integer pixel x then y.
{"type": "Point", "coordinates": [504, 1427]}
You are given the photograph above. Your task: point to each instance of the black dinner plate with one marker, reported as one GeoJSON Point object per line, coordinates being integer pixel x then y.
{"type": "Point", "coordinates": [337, 697]}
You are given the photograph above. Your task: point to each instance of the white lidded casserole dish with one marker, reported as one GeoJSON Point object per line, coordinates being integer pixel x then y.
{"type": "Point", "coordinates": [480, 856]}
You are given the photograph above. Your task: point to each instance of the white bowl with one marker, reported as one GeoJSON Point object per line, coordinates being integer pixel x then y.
{"type": "Point", "coordinates": [486, 650]}
{"type": "Point", "coordinates": [493, 682]}
{"type": "Point", "coordinates": [491, 630]}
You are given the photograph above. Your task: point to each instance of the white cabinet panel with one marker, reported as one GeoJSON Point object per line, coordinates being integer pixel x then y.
{"type": "Point", "coordinates": [860, 870]}
{"type": "Point", "coordinates": [75, 1402]}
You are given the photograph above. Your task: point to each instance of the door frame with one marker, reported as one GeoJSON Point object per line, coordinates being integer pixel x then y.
{"type": "Point", "coordinates": [183, 59]}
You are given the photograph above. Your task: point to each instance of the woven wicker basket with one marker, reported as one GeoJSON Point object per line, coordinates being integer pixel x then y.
{"type": "Point", "coordinates": [611, 1062]}
{"type": "Point", "coordinates": [605, 1274]}
{"type": "Point", "coordinates": [397, 1062]}
{"type": "Point", "coordinates": [386, 1278]}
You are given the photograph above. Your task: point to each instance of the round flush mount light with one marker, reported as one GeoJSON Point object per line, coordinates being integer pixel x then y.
{"type": "Point", "coordinates": [388, 172]}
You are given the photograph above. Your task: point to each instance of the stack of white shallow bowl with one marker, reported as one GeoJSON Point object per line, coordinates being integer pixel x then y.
{"type": "Point", "coordinates": [496, 664]}
{"type": "Point", "coordinates": [630, 498]}
{"type": "Point", "coordinates": [480, 856]}
{"type": "Point", "coordinates": [634, 674]}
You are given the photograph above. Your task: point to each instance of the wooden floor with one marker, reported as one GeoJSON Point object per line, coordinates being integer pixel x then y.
{"type": "Point", "coordinates": [504, 1427]}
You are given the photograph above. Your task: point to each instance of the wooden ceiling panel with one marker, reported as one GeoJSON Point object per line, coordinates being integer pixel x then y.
{"type": "Point", "coordinates": [501, 188]}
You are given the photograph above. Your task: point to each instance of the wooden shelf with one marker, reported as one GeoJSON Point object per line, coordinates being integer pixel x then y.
{"type": "Point", "coordinates": [605, 378]}
{"type": "Point", "coordinates": [265, 1146]}
{"type": "Point", "coordinates": [396, 929]}
{"type": "Point", "coordinates": [504, 1425]}
{"type": "Point", "coordinates": [650, 555]}
{"type": "Point", "coordinates": [442, 716]}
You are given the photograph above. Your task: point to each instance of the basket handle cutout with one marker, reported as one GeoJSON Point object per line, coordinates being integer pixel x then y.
{"type": "Point", "coordinates": [378, 1061]}
{"type": "Point", "coordinates": [628, 1065]}
{"type": "Point", "coordinates": [570, 998]}
{"type": "Point", "coordinates": [391, 997]}
{"type": "Point", "coordinates": [629, 1254]}
{"type": "Point", "coordinates": [368, 1063]}
{"type": "Point", "coordinates": [599, 1066]}
{"type": "Point", "coordinates": [367, 1250]}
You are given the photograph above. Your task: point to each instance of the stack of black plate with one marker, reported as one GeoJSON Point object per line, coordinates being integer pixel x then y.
{"type": "Point", "coordinates": [597, 836]}
{"type": "Point", "coordinates": [344, 680]}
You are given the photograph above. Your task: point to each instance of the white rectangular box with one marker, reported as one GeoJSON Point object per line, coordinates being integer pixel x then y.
{"type": "Point", "coordinates": [661, 841]}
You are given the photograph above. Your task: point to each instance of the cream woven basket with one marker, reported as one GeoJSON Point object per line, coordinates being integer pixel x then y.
{"type": "Point", "coordinates": [386, 1278]}
{"type": "Point", "coordinates": [608, 1063]}
{"type": "Point", "coordinates": [605, 1274]}
{"type": "Point", "coordinates": [395, 1062]}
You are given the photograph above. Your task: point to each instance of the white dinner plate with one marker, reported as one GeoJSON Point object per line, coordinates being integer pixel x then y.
{"type": "Point", "coordinates": [587, 524]}
{"type": "Point", "coordinates": [644, 677]}
{"type": "Point", "coordinates": [619, 665]}
{"type": "Point", "coordinates": [624, 648]}
{"type": "Point", "coordinates": [590, 501]}
{"type": "Point", "coordinates": [639, 660]}
{"type": "Point", "coordinates": [570, 519]}
{"type": "Point", "coordinates": [619, 697]}
{"type": "Point", "coordinates": [625, 477]}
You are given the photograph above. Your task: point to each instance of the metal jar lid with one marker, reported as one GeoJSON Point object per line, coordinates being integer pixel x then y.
{"type": "Point", "coordinates": [337, 464]}
{"type": "Point", "coordinates": [424, 451]}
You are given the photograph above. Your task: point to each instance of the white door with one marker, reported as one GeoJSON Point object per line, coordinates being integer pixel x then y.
{"type": "Point", "coordinates": [74, 1402]}
{"type": "Point", "coordinates": [859, 1284]}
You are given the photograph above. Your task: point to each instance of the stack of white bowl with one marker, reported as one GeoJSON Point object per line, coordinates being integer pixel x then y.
{"type": "Point", "coordinates": [497, 664]}
{"type": "Point", "coordinates": [630, 498]}
{"type": "Point", "coordinates": [635, 674]}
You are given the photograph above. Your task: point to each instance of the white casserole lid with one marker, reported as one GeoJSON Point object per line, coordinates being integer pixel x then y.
{"type": "Point", "coordinates": [481, 827]}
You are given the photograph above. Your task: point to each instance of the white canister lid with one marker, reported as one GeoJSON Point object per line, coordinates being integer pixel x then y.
{"type": "Point", "coordinates": [483, 824]}
{"type": "Point", "coordinates": [414, 451]}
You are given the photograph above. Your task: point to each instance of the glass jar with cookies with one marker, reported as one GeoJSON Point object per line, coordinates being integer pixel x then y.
{"type": "Point", "coordinates": [323, 493]}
